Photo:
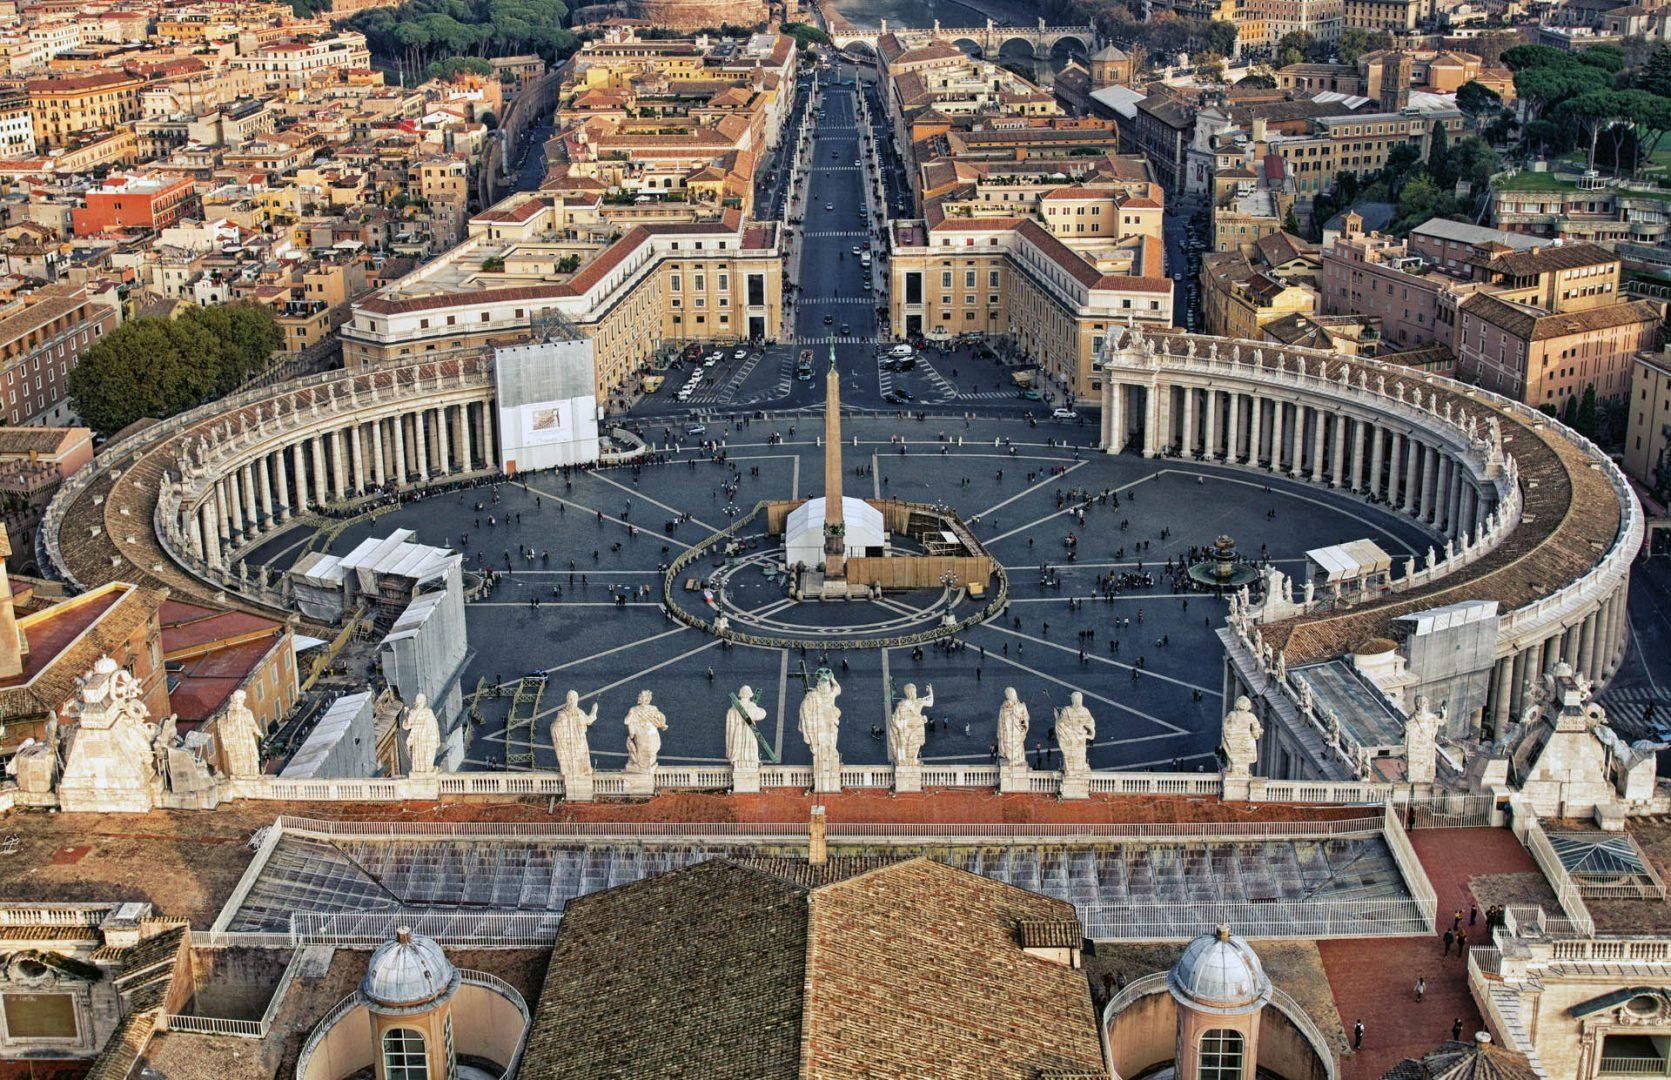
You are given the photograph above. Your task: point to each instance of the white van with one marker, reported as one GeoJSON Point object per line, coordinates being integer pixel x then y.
{"type": "Point", "coordinates": [900, 351]}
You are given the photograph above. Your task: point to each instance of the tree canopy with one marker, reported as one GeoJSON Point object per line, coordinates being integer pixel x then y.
{"type": "Point", "coordinates": [159, 367]}
{"type": "Point", "coordinates": [420, 32]}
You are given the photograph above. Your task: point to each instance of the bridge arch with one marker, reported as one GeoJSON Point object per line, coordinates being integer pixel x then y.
{"type": "Point", "coordinates": [970, 47]}
{"type": "Point", "coordinates": [1068, 45]}
{"type": "Point", "coordinates": [1017, 48]}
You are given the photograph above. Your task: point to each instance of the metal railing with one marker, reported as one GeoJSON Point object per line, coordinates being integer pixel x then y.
{"type": "Point", "coordinates": [1281, 919]}
{"type": "Point", "coordinates": [1566, 889]}
{"type": "Point", "coordinates": [1635, 1066]}
{"type": "Point", "coordinates": [1409, 864]}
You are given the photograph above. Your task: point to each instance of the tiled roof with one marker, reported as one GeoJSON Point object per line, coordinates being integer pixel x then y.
{"type": "Point", "coordinates": [1533, 325]}
{"type": "Point", "coordinates": [1553, 257]}
{"type": "Point", "coordinates": [775, 969]}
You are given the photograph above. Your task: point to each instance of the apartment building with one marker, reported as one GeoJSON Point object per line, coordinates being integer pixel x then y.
{"type": "Point", "coordinates": [42, 338]}
{"type": "Point", "coordinates": [136, 202]}
{"type": "Point", "coordinates": [62, 108]}
{"type": "Point", "coordinates": [1543, 358]}
{"type": "Point", "coordinates": [17, 126]}
{"type": "Point", "coordinates": [292, 65]}
{"type": "Point", "coordinates": [719, 280]}
{"type": "Point", "coordinates": [1014, 278]}
{"type": "Point", "coordinates": [1648, 420]}
{"type": "Point", "coordinates": [1395, 17]}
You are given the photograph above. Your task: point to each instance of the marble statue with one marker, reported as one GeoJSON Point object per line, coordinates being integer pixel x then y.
{"type": "Point", "coordinates": [568, 738]}
{"type": "Point", "coordinates": [1012, 731]}
{"type": "Point", "coordinates": [423, 737]}
{"type": "Point", "coordinates": [742, 720]}
{"type": "Point", "coordinates": [1421, 742]}
{"type": "Point", "coordinates": [645, 723]}
{"type": "Point", "coordinates": [820, 724]}
{"type": "Point", "coordinates": [905, 727]}
{"type": "Point", "coordinates": [1310, 590]}
{"type": "Point", "coordinates": [240, 739]}
{"type": "Point", "coordinates": [1241, 737]}
{"type": "Point", "coordinates": [110, 766]}
{"type": "Point", "coordinates": [1074, 731]}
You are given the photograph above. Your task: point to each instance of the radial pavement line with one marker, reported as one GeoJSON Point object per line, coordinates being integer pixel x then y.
{"type": "Point", "coordinates": [1300, 495]}
{"type": "Point", "coordinates": [1174, 732]}
{"type": "Point", "coordinates": [652, 502]}
{"type": "Point", "coordinates": [1026, 491]}
{"type": "Point", "coordinates": [1089, 655]}
{"type": "Point", "coordinates": [594, 511]}
{"type": "Point", "coordinates": [1068, 509]}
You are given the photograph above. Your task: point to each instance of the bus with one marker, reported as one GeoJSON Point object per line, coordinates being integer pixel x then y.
{"type": "Point", "coordinates": [803, 366]}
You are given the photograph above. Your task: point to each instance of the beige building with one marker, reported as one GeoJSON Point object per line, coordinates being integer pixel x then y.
{"type": "Point", "coordinates": [531, 257]}
{"type": "Point", "coordinates": [65, 107]}
{"type": "Point", "coordinates": [1648, 424]}
{"type": "Point", "coordinates": [1014, 278]}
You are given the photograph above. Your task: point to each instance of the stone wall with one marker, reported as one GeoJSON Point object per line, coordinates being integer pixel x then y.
{"type": "Point", "coordinates": [697, 14]}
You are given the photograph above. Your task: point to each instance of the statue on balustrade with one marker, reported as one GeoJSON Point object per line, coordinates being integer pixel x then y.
{"type": "Point", "coordinates": [742, 744]}
{"type": "Point", "coordinates": [568, 737]}
{"type": "Point", "coordinates": [820, 724]}
{"type": "Point", "coordinates": [906, 727]}
{"type": "Point", "coordinates": [1012, 731]}
{"type": "Point", "coordinates": [1421, 741]}
{"type": "Point", "coordinates": [1075, 729]}
{"type": "Point", "coordinates": [423, 737]}
{"type": "Point", "coordinates": [240, 739]}
{"type": "Point", "coordinates": [645, 723]}
{"type": "Point", "coordinates": [1240, 740]}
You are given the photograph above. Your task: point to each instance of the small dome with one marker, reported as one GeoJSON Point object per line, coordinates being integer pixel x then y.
{"type": "Point", "coordinates": [1219, 972]}
{"type": "Point", "coordinates": [408, 974]}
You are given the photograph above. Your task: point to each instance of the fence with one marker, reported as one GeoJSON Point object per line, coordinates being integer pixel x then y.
{"type": "Point", "coordinates": [247, 1029]}
{"type": "Point", "coordinates": [450, 927]}
{"type": "Point", "coordinates": [1409, 865]}
{"type": "Point", "coordinates": [1281, 919]}
{"type": "Point", "coordinates": [835, 830]}
{"type": "Point", "coordinates": [1566, 890]}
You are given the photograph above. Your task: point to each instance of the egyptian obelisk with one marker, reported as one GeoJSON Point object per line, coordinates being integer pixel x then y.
{"type": "Point", "coordinates": [835, 530]}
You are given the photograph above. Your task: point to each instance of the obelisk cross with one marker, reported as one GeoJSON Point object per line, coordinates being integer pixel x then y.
{"type": "Point", "coordinates": [835, 529]}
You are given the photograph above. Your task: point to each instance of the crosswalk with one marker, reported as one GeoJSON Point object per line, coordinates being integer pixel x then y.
{"type": "Point", "coordinates": [838, 339]}
{"type": "Point", "coordinates": [1626, 707]}
{"type": "Point", "coordinates": [988, 395]}
{"type": "Point", "coordinates": [939, 381]}
{"type": "Point", "coordinates": [843, 234]}
{"type": "Point", "coordinates": [830, 301]}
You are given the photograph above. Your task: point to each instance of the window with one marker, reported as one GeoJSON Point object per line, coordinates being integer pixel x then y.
{"type": "Point", "coordinates": [404, 1057]}
{"type": "Point", "coordinates": [1221, 1055]}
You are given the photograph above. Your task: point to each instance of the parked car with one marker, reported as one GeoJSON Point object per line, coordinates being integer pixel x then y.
{"type": "Point", "coordinates": [1064, 414]}
{"type": "Point", "coordinates": [740, 354]}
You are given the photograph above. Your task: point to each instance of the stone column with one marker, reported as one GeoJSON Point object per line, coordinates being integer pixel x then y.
{"type": "Point", "coordinates": [1188, 443]}
{"type": "Point", "coordinates": [1500, 675]}
{"type": "Point", "coordinates": [1412, 472]}
{"type": "Point", "coordinates": [1256, 421]}
{"type": "Point", "coordinates": [321, 494]}
{"type": "Point", "coordinates": [420, 443]}
{"type": "Point", "coordinates": [1338, 466]}
{"type": "Point", "coordinates": [1151, 420]}
{"type": "Point", "coordinates": [1296, 468]}
{"type": "Point", "coordinates": [339, 466]}
{"type": "Point", "coordinates": [1276, 434]}
{"type": "Point", "coordinates": [1377, 445]}
{"type": "Point", "coordinates": [1441, 488]}
{"type": "Point", "coordinates": [443, 444]}
{"type": "Point", "coordinates": [1587, 648]}
{"type": "Point", "coordinates": [377, 452]}
{"type": "Point", "coordinates": [298, 450]}
{"type": "Point", "coordinates": [1212, 423]}
{"type": "Point", "coordinates": [281, 478]}
{"type": "Point", "coordinates": [357, 452]}
{"type": "Point", "coordinates": [1233, 445]}
{"type": "Point", "coordinates": [1430, 480]}
{"type": "Point", "coordinates": [197, 534]}
{"type": "Point", "coordinates": [490, 451]}
{"type": "Point", "coordinates": [266, 489]}
{"type": "Point", "coordinates": [214, 528]}
{"type": "Point", "coordinates": [1463, 490]}
{"type": "Point", "coordinates": [245, 480]}
{"type": "Point", "coordinates": [401, 469]}
{"type": "Point", "coordinates": [1319, 442]}
{"type": "Point", "coordinates": [1517, 685]}
{"type": "Point", "coordinates": [466, 456]}
{"type": "Point", "coordinates": [234, 504]}
{"type": "Point", "coordinates": [1359, 433]}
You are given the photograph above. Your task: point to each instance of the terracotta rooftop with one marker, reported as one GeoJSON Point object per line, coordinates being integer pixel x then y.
{"type": "Point", "coordinates": [871, 974]}
{"type": "Point", "coordinates": [65, 640]}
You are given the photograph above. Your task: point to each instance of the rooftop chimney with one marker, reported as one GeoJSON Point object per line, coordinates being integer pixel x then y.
{"type": "Point", "coordinates": [817, 853]}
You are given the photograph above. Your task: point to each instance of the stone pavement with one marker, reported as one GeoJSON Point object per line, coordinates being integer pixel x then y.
{"type": "Point", "coordinates": [1373, 980]}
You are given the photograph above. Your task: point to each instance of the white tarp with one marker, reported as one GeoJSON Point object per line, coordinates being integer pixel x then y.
{"type": "Point", "coordinates": [1350, 561]}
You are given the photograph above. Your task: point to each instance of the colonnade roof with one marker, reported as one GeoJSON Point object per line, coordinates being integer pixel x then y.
{"type": "Point", "coordinates": [1571, 516]}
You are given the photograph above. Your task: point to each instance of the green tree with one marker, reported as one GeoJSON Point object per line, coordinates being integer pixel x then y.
{"type": "Point", "coordinates": [1587, 417]}
{"type": "Point", "coordinates": [1590, 113]}
{"type": "Point", "coordinates": [1354, 42]}
{"type": "Point", "coordinates": [1403, 162]}
{"type": "Point", "coordinates": [1290, 223]}
{"type": "Point", "coordinates": [1477, 100]}
{"type": "Point", "coordinates": [1649, 115]}
{"type": "Point", "coordinates": [1569, 413]}
{"type": "Point", "coordinates": [1655, 76]}
{"type": "Point", "coordinates": [443, 70]}
{"type": "Point", "coordinates": [805, 33]}
{"type": "Point", "coordinates": [1439, 156]}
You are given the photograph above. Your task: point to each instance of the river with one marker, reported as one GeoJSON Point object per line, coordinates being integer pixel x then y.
{"type": "Point", "coordinates": [950, 13]}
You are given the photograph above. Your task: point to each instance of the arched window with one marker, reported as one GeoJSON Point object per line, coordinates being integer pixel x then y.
{"type": "Point", "coordinates": [1221, 1055]}
{"type": "Point", "coordinates": [404, 1057]}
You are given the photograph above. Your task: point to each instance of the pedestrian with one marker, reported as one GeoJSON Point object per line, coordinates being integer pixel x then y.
{"type": "Point", "coordinates": [1450, 936]}
{"type": "Point", "coordinates": [1456, 923]}
{"type": "Point", "coordinates": [1421, 987]}
{"type": "Point", "coordinates": [1462, 943]}
{"type": "Point", "coordinates": [1357, 1035]}
{"type": "Point", "coordinates": [1473, 913]}
{"type": "Point", "coordinates": [1456, 1030]}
